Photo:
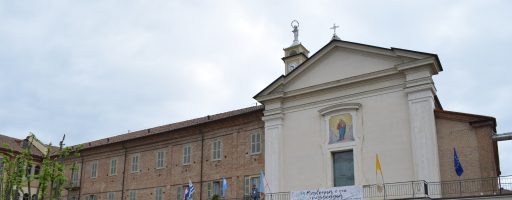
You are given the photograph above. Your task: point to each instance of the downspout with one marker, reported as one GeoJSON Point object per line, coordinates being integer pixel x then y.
{"type": "Point", "coordinates": [202, 160]}
{"type": "Point", "coordinates": [124, 172]}
{"type": "Point", "coordinates": [81, 178]}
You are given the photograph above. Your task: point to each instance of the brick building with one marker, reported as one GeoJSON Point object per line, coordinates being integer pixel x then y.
{"type": "Point", "coordinates": [157, 163]}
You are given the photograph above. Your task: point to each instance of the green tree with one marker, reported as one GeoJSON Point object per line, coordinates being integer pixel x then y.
{"type": "Point", "coordinates": [15, 170]}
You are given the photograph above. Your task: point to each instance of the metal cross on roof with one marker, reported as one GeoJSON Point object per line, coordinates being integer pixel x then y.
{"type": "Point", "coordinates": [334, 36]}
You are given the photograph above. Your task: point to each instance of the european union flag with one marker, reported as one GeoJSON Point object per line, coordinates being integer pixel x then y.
{"type": "Point", "coordinates": [458, 167]}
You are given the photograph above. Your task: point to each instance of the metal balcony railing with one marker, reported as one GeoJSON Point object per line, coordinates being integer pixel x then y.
{"type": "Point", "coordinates": [494, 186]}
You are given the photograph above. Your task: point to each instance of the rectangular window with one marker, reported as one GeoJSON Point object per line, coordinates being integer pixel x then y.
{"type": "Point", "coordinates": [249, 182]}
{"type": "Point", "coordinates": [113, 167]}
{"type": "Point", "coordinates": [216, 187]}
{"type": "Point", "coordinates": [159, 193]}
{"type": "Point", "coordinates": [91, 197]}
{"type": "Point", "coordinates": [209, 191]}
{"type": "Point", "coordinates": [1, 166]}
{"type": "Point", "coordinates": [110, 196]}
{"type": "Point", "coordinates": [94, 169]}
{"type": "Point", "coordinates": [132, 195]}
{"type": "Point", "coordinates": [74, 175]}
{"type": "Point", "coordinates": [160, 159]}
{"type": "Point", "coordinates": [216, 149]}
{"type": "Point", "coordinates": [135, 163]}
{"type": "Point", "coordinates": [343, 168]}
{"type": "Point", "coordinates": [186, 154]}
{"type": "Point", "coordinates": [179, 193]}
{"type": "Point", "coordinates": [255, 143]}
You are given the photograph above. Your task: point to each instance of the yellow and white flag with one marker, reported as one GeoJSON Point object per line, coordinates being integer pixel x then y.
{"type": "Point", "coordinates": [379, 179]}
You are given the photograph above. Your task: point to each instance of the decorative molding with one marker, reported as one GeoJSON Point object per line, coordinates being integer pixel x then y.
{"type": "Point", "coordinates": [339, 107]}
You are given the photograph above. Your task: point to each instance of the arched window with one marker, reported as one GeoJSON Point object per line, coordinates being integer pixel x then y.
{"type": "Point", "coordinates": [25, 196]}
{"type": "Point", "coordinates": [34, 197]}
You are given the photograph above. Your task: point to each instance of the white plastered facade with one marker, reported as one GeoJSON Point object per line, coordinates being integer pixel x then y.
{"type": "Point", "coordinates": [388, 92]}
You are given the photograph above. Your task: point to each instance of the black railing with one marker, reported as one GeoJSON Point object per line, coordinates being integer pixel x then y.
{"type": "Point", "coordinates": [493, 186]}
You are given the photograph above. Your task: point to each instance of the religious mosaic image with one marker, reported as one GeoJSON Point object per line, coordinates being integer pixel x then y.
{"type": "Point", "coordinates": [341, 128]}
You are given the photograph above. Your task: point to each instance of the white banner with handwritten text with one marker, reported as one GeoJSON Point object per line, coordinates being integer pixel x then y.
{"type": "Point", "coordinates": [336, 193]}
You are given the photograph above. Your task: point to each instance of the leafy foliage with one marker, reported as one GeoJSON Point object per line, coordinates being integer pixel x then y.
{"type": "Point", "coordinates": [16, 167]}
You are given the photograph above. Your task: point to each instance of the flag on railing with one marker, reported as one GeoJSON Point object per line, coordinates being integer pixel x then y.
{"type": "Point", "coordinates": [379, 179]}
{"type": "Point", "coordinates": [458, 167]}
{"type": "Point", "coordinates": [224, 186]}
{"type": "Point", "coordinates": [191, 189]}
{"type": "Point", "coordinates": [262, 182]}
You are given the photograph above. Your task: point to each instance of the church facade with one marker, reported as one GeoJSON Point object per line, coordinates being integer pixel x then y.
{"type": "Point", "coordinates": [348, 115]}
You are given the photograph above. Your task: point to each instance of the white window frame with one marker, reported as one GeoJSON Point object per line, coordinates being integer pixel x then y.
{"type": "Point", "coordinates": [113, 167]}
{"type": "Point", "coordinates": [187, 151]}
{"type": "Point", "coordinates": [160, 162]}
{"type": "Point", "coordinates": [255, 141]}
{"type": "Point", "coordinates": [132, 195]}
{"type": "Point", "coordinates": [134, 163]}
{"type": "Point", "coordinates": [75, 175]}
{"type": "Point", "coordinates": [248, 182]}
{"type": "Point", "coordinates": [209, 189]}
{"type": "Point", "coordinates": [94, 169]}
{"type": "Point", "coordinates": [216, 149]}
{"type": "Point", "coordinates": [159, 193]}
{"type": "Point", "coordinates": [111, 196]}
{"type": "Point", "coordinates": [179, 192]}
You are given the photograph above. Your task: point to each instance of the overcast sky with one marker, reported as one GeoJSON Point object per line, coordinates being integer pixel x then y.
{"type": "Point", "coordinates": [94, 69]}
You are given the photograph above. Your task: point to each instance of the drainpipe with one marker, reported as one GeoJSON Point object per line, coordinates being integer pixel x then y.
{"type": "Point", "coordinates": [81, 177]}
{"type": "Point", "coordinates": [124, 172]}
{"type": "Point", "coordinates": [202, 160]}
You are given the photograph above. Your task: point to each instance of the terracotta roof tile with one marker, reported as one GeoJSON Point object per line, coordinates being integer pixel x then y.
{"type": "Point", "coordinates": [170, 127]}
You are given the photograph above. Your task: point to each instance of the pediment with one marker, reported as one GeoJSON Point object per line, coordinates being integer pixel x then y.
{"type": "Point", "coordinates": [340, 60]}
{"type": "Point", "coordinates": [339, 63]}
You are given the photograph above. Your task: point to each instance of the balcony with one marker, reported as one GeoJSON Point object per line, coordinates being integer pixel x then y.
{"type": "Point", "coordinates": [72, 186]}
{"type": "Point", "coordinates": [484, 187]}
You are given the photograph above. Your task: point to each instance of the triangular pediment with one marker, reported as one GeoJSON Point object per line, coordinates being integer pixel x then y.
{"type": "Point", "coordinates": [340, 60]}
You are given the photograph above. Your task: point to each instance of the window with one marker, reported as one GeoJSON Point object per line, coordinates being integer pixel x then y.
{"type": "Point", "coordinates": [186, 154]}
{"type": "Point", "coordinates": [1, 165]}
{"type": "Point", "coordinates": [37, 170]}
{"type": "Point", "coordinates": [160, 159]}
{"type": "Point", "coordinates": [343, 168]}
{"type": "Point", "coordinates": [111, 196]}
{"type": "Point", "coordinates": [113, 167]}
{"type": "Point", "coordinates": [159, 193]}
{"type": "Point", "coordinates": [94, 169]}
{"type": "Point", "coordinates": [132, 195]}
{"type": "Point", "coordinates": [255, 143]}
{"type": "Point", "coordinates": [91, 197]}
{"type": "Point", "coordinates": [216, 187]}
{"type": "Point", "coordinates": [26, 196]}
{"type": "Point", "coordinates": [179, 193]}
{"type": "Point", "coordinates": [34, 197]}
{"type": "Point", "coordinates": [135, 163]}
{"type": "Point", "coordinates": [70, 198]}
{"type": "Point", "coordinates": [216, 149]}
{"type": "Point", "coordinates": [249, 182]}
{"type": "Point", "coordinates": [209, 189]}
{"type": "Point", "coordinates": [29, 171]}
{"type": "Point", "coordinates": [74, 175]}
